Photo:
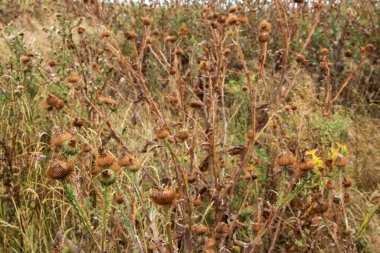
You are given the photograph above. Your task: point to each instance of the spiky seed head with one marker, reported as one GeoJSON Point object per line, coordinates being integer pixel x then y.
{"type": "Point", "coordinates": [60, 169]}
{"type": "Point", "coordinates": [107, 177]}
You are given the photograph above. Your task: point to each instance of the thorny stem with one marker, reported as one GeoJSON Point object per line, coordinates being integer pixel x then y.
{"type": "Point", "coordinates": [72, 197]}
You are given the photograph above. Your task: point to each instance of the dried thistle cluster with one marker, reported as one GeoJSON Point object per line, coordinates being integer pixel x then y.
{"type": "Point", "coordinates": [196, 133]}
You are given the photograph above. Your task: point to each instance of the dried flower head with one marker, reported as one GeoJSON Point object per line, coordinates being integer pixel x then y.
{"type": "Point", "coordinates": [79, 122]}
{"type": "Point", "coordinates": [341, 161]}
{"type": "Point", "coordinates": [60, 169]}
{"type": "Point", "coordinates": [285, 159]}
{"type": "Point", "coordinates": [183, 30]}
{"type": "Point", "coordinates": [60, 139]}
{"type": "Point", "coordinates": [26, 60]}
{"type": "Point", "coordinates": [204, 65]}
{"type": "Point", "coordinates": [146, 21]}
{"type": "Point", "coordinates": [200, 229]}
{"type": "Point", "coordinates": [348, 53]}
{"type": "Point", "coordinates": [222, 228]}
{"type": "Point", "coordinates": [232, 9]}
{"type": "Point", "coordinates": [129, 162]}
{"type": "Point", "coordinates": [232, 20]}
{"type": "Point", "coordinates": [81, 30]}
{"type": "Point", "coordinates": [118, 199]}
{"type": "Point", "coordinates": [162, 133]}
{"type": "Point", "coordinates": [243, 20]}
{"type": "Point", "coordinates": [73, 78]}
{"type": "Point", "coordinates": [323, 51]}
{"type": "Point", "coordinates": [305, 166]}
{"type": "Point", "coordinates": [130, 35]}
{"type": "Point", "coordinates": [264, 37]}
{"type": "Point", "coordinates": [347, 183]}
{"type": "Point", "coordinates": [163, 197]}
{"type": "Point", "coordinates": [265, 26]}
{"type": "Point", "coordinates": [105, 34]}
{"type": "Point", "coordinates": [182, 135]}
{"type": "Point", "coordinates": [104, 159]}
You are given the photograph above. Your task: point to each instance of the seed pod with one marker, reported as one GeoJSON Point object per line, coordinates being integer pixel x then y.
{"type": "Point", "coordinates": [285, 159]}
{"type": "Point", "coordinates": [146, 21]}
{"type": "Point", "coordinates": [24, 59]}
{"type": "Point", "coordinates": [163, 198]}
{"type": "Point", "coordinates": [323, 51]}
{"type": "Point", "coordinates": [118, 199]}
{"type": "Point", "coordinates": [52, 63]}
{"type": "Point", "coordinates": [78, 122]}
{"type": "Point", "coordinates": [60, 169]}
{"type": "Point", "coordinates": [305, 166]}
{"type": "Point", "coordinates": [81, 30]}
{"type": "Point", "coordinates": [130, 35]}
{"type": "Point", "coordinates": [58, 140]}
{"type": "Point", "coordinates": [264, 37]}
{"type": "Point", "coordinates": [232, 20]}
{"type": "Point", "coordinates": [329, 184]}
{"type": "Point", "coordinates": [232, 9]}
{"type": "Point", "coordinates": [197, 202]}
{"type": "Point", "coordinates": [222, 228]}
{"type": "Point", "coordinates": [182, 135]}
{"type": "Point", "coordinates": [348, 54]}
{"type": "Point", "coordinates": [104, 159]}
{"type": "Point", "coordinates": [243, 19]}
{"type": "Point", "coordinates": [347, 183]}
{"type": "Point", "coordinates": [86, 148]}
{"type": "Point", "coordinates": [200, 229]}
{"type": "Point", "coordinates": [341, 161]}
{"type": "Point", "coordinates": [250, 134]}
{"type": "Point", "coordinates": [73, 78]}
{"type": "Point", "coordinates": [130, 163]}
{"type": "Point", "coordinates": [105, 34]}
{"type": "Point", "coordinates": [162, 133]}
{"type": "Point", "coordinates": [51, 100]}
{"type": "Point", "coordinates": [265, 26]}
{"type": "Point", "coordinates": [183, 30]}
{"type": "Point", "coordinates": [107, 177]}
{"type": "Point", "coordinates": [59, 105]}
{"type": "Point", "coordinates": [204, 65]}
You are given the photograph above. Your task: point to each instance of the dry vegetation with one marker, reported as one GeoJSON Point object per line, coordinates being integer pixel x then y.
{"type": "Point", "coordinates": [185, 127]}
